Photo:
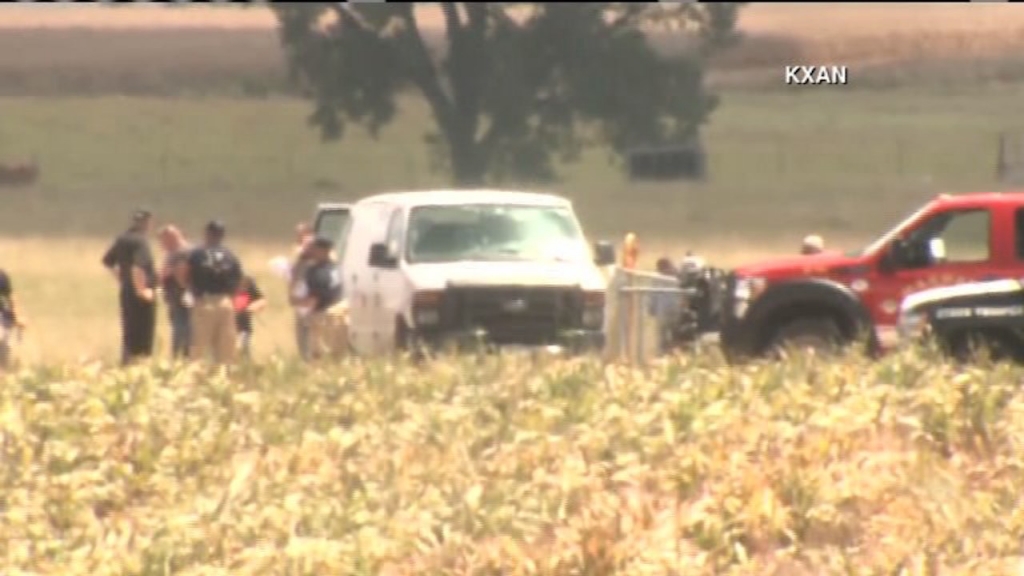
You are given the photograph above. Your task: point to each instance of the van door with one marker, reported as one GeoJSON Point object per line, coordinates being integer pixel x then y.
{"type": "Point", "coordinates": [368, 227]}
{"type": "Point", "coordinates": [389, 284]}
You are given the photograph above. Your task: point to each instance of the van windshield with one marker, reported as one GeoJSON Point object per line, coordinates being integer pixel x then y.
{"type": "Point", "coordinates": [493, 232]}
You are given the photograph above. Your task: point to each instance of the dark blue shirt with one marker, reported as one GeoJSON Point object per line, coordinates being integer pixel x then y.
{"type": "Point", "coordinates": [323, 281]}
{"type": "Point", "coordinates": [214, 271]}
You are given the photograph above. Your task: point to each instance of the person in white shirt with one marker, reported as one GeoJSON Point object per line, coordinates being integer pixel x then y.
{"type": "Point", "coordinates": [812, 244]}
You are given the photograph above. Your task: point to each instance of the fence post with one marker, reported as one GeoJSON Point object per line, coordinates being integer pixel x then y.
{"type": "Point", "coordinates": [630, 252]}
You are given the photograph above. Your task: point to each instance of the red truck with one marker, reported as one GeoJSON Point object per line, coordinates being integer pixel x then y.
{"type": "Point", "coordinates": [833, 298]}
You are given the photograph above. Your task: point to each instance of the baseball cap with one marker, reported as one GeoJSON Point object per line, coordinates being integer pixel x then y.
{"type": "Point", "coordinates": [216, 227]}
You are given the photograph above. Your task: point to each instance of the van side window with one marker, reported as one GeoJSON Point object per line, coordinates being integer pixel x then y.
{"type": "Point", "coordinates": [1018, 224]}
{"type": "Point", "coordinates": [334, 223]}
{"type": "Point", "coordinates": [396, 231]}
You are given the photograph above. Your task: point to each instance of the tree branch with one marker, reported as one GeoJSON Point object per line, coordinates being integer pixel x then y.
{"type": "Point", "coordinates": [422, 70]}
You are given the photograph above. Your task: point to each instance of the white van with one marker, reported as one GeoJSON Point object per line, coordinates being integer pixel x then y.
{"type": "Point", "coordinates": [508, 268]}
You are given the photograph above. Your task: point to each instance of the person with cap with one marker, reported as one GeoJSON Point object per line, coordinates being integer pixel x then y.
{"type": "Point", "coordinates": [213, 277]}
{"type": "Point", "coordinates": [10, 321]}
{"type": "Point", "coordinates": [812, 244]}
{"type": "Point", "coordinates": [176, 296]}
{"type": "Point", "coordinates": [328, 321]}
{"type": "Point", "coordinates": [130, 261]}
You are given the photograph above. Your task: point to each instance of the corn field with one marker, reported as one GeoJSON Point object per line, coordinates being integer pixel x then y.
{"type": "Point", "coordinates": [501, 465]}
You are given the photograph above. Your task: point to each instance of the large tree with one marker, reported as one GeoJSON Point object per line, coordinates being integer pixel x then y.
{"type": "Point", "coordinates": [513, 86]}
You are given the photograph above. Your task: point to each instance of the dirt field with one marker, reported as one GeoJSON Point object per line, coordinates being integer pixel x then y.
{"type": "Point", "coordinates": [178, 50]}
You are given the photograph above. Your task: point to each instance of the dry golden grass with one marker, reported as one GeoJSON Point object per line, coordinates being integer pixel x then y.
{"type": "Point", "coordinates": [502, 466]}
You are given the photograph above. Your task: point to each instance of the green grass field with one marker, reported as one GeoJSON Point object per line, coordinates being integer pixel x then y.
{"type": "Point", "coordinates": [835, 159]}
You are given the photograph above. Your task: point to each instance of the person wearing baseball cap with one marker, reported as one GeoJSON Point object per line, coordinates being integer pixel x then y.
{"type": "Point", "coordinates": [812, 244]}
{"type": "Point", "coordinates": [213, 275]}
{"type": "Point", "coordinates": [328, 317]}
{"type": "Point", "coordinates": [130, 261]}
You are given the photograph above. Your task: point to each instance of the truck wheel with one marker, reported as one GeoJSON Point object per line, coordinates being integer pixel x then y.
{"type": "Point", "coordinates": [819, 335]}
{"type": "Point", "coordinates": [974, 346]}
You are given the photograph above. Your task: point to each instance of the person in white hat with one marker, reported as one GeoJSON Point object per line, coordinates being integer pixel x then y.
{"type": "Point", "coordinates": [812, 244]}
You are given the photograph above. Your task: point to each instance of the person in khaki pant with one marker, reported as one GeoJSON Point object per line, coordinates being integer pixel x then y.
{"type": "Point", "coordinates": [328, 318]}
{"type": "Point", "coordinates": [214, 274]}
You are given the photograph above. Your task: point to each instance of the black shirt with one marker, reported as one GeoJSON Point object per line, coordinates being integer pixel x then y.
{"type": "Point", "coordinates": [6, 292]}
{"type": "Point", "coordinates": [129, 250]}
{"type": "Point", "coordinates": [243, 319]}
{"type": "Point", "coordinates": [324, 283]}
{"type": "Point", "coordinates": [174, 292]}
{"type": "Point", "coordinates": [215, 271]}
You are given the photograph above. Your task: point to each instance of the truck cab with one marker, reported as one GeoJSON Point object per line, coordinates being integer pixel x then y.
{"type": "Point", "coordinates": [422, 269]}
{"type": "Point", "coordinates": [832, 298]}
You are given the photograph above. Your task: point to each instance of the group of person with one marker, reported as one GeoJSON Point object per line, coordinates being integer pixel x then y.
{"type": "Point", "coordinates": [211, 301]}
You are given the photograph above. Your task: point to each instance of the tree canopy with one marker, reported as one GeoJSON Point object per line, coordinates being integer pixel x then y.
{"type": "Point", "coordinates": [513, 86]}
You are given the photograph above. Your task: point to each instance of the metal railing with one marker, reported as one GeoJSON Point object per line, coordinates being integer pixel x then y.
{"type": "Point", "coordinates": [640, 310]}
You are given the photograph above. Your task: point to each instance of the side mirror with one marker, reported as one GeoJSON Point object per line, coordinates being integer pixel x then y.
{"type": "Point", "coordinates": [381, 256]}
{"type": "Point", "coordinates": [604, 253]}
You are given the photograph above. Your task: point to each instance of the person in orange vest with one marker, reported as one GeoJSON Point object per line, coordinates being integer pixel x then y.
{"type": "Point", "coordinates": [248, 301]}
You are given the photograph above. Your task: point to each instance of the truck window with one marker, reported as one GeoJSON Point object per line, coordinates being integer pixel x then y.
{"type": "Point", "coordinates": [334, 223]}
{"type": "Point", "coordinates": [966, 234]}
{"type": "Point", "coordinates": [1018, 222]}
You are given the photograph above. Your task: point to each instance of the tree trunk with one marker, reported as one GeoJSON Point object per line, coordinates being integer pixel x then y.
{"type": "Point", "coordinates": [469, 167]}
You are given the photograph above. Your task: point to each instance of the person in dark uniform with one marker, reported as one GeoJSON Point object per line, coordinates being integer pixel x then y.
{"type": "Point", "coordinates": [131, 262]}
{"type": "Point", "coordinates": [328, 318]}
{"type": "Point", "coordinates": [9, 319]}
{"type": "Point", "coordinates": [248, 301]}
{"type": "Point", "coordinates": [214, 275]}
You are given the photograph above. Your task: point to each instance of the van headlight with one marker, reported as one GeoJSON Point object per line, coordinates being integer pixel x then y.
{"type": "Point", "coordinates": [426, 307]}
{"type": "Point", "coordinates": [745, 291]}
{"type": "Point", "coordinates": [593, 309]}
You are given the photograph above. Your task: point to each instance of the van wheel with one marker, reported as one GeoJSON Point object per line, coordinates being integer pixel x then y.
{"type": "Point", "coordinates": [406, 341]}
{"type": "Point", "coordinates": [819, 336]}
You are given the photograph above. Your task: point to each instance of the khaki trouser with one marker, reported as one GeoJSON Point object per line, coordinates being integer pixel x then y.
{"type": "Point", "coordinates": [328, 332]}
{"type": "Point", "coordinates": [213, 329]}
